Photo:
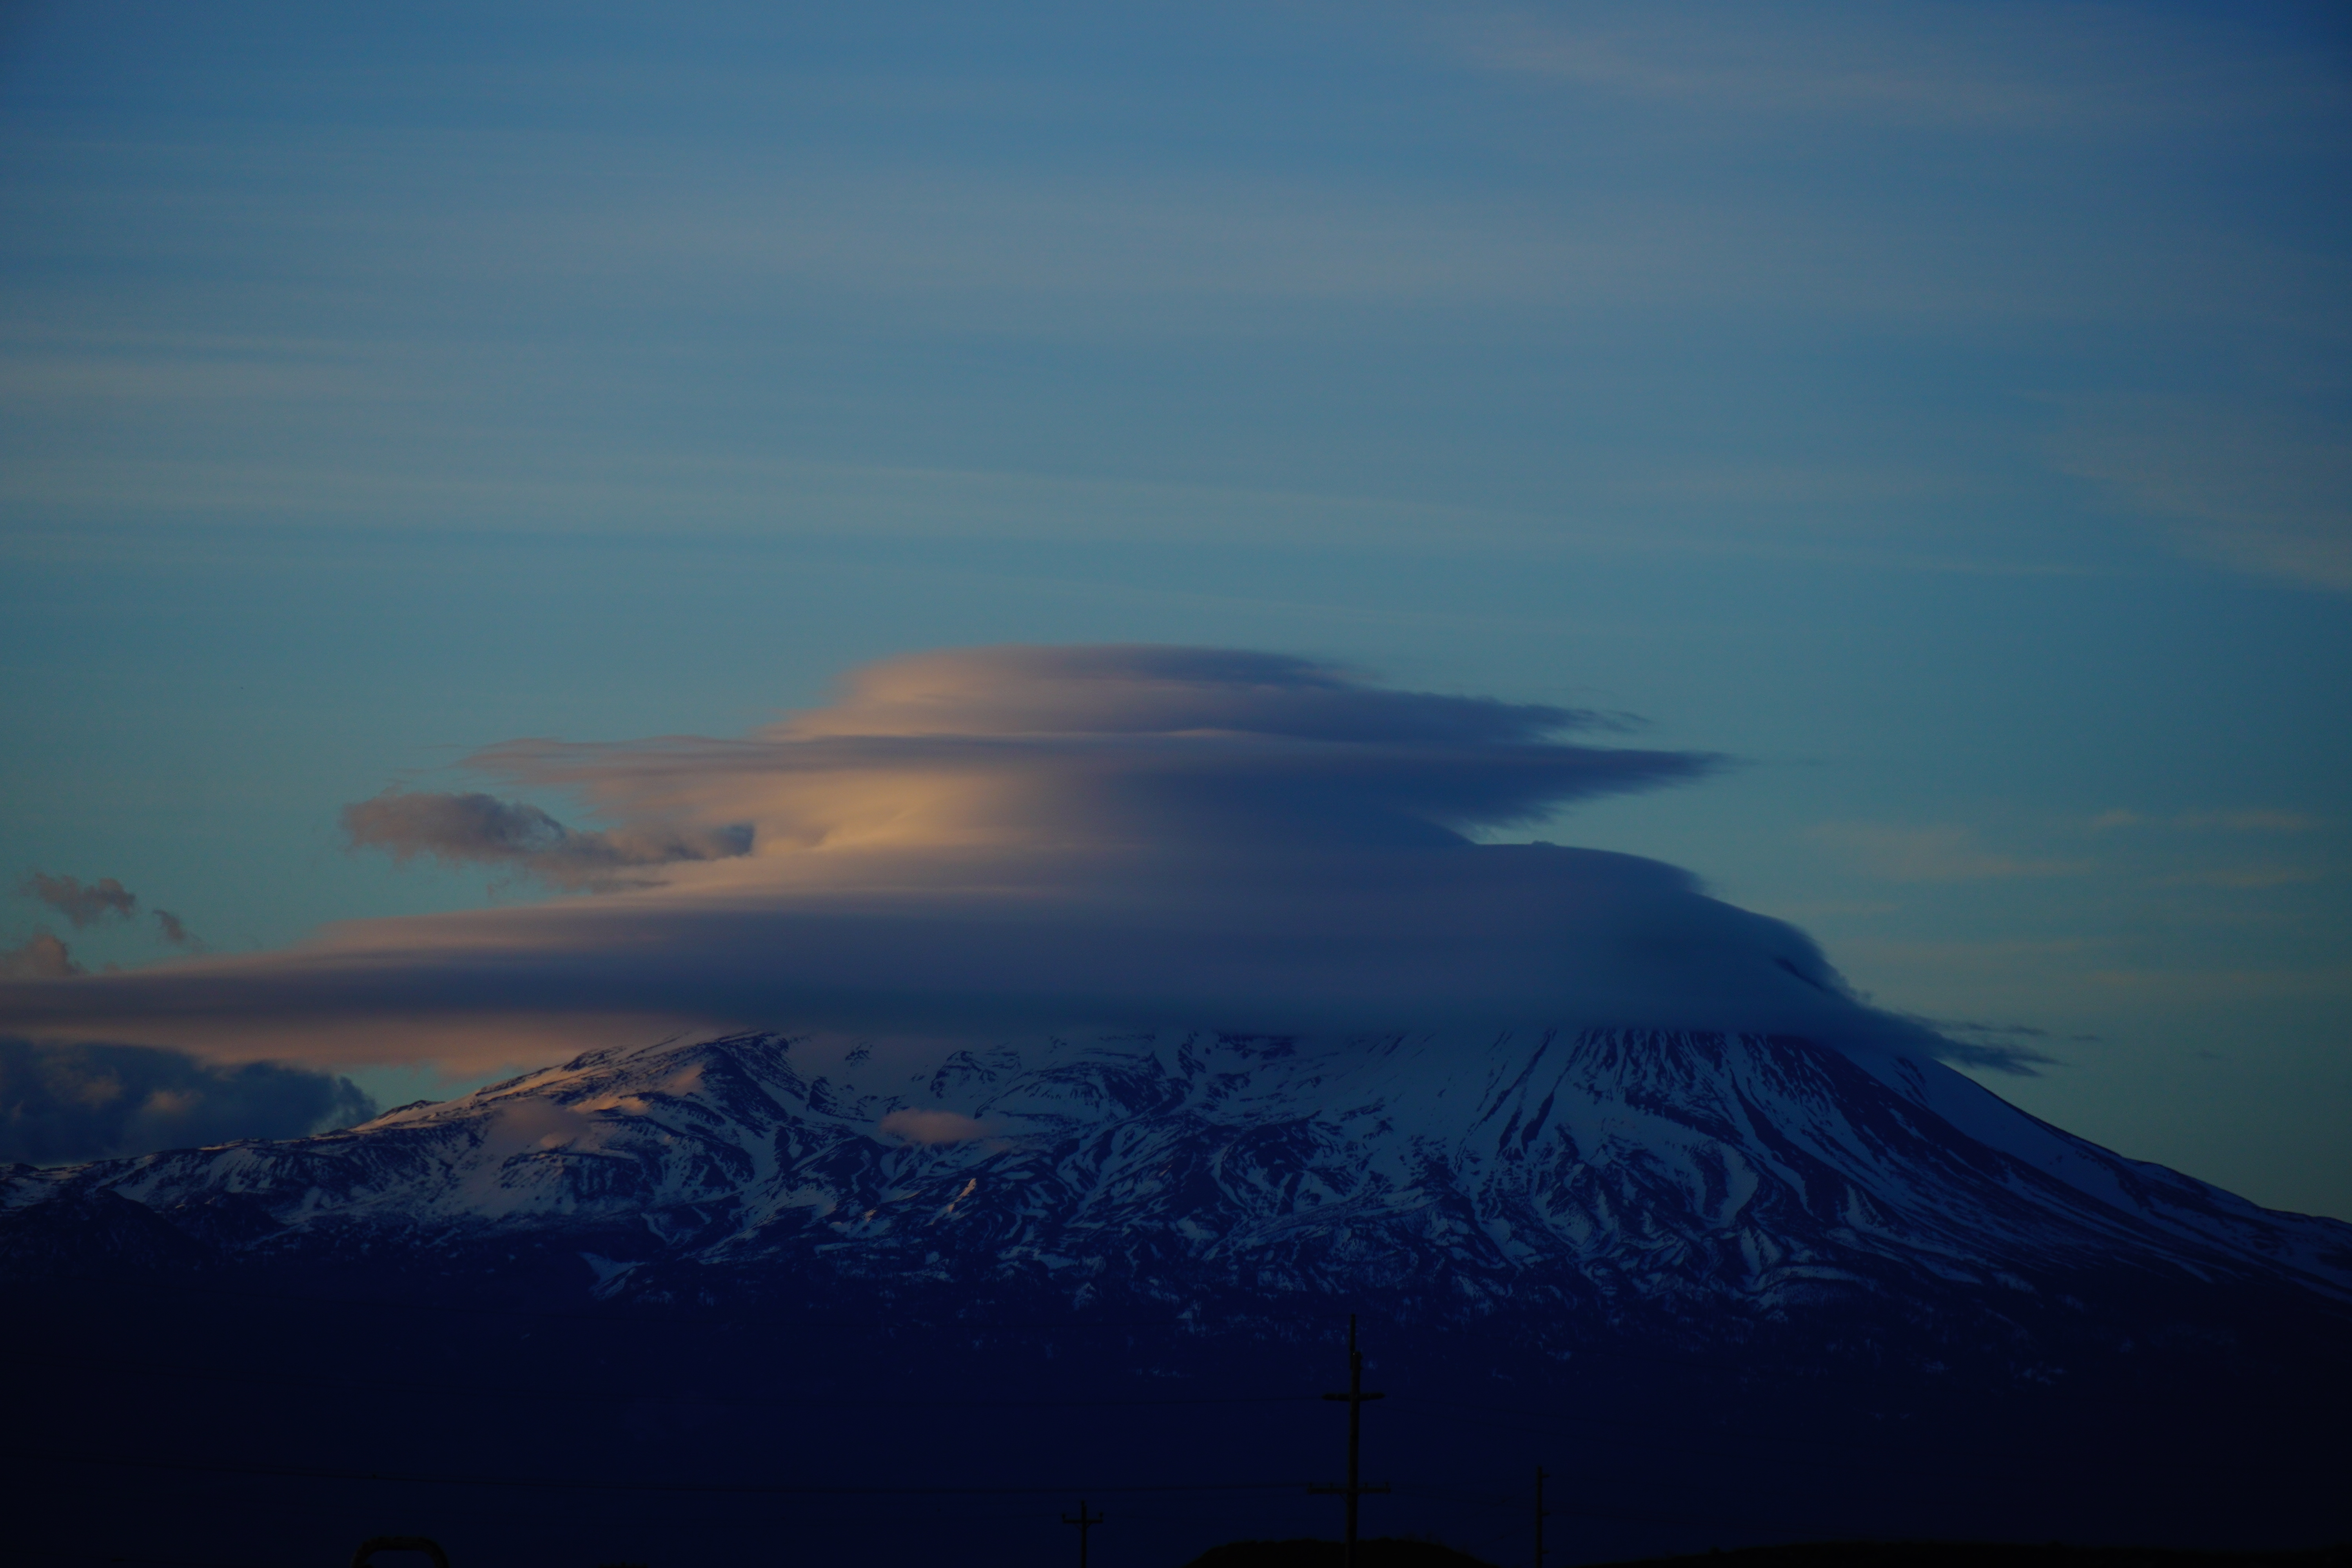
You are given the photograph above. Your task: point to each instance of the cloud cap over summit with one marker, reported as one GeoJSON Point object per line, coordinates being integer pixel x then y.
{"type": "Point", "coordinates": [1021, 837]}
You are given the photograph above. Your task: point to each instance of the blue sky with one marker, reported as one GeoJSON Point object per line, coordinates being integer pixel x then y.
{"type": "Point", "coordinates": [1940, 410]}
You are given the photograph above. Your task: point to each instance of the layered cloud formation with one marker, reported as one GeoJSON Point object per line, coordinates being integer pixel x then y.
{"type": "Point", "coordinates": [1018, 838]}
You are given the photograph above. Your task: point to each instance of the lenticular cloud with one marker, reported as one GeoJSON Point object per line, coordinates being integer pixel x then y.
{"type": "Point", "coordinates": [1021, 838]}
{"type": "Point", "coordinates": [1105, 747]}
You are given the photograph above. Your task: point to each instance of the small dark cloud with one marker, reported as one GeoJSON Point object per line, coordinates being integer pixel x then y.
{"type": "Point", "coordinates": [85, 905]}
{"type": "Point", "coordinates": [176, 930]}
{"type": "Point", "coordinates": [103, 900]}
{"type": "Point", "coordinates": [45, 957]}
{"type": "Point", "coordinates": [61, 1104]}
{"type": "Point", "coordinates": [476, 828]}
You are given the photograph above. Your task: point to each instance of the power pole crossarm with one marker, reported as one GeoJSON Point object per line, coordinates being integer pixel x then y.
{"type": "Point", "coordinates": [1086, 1522]}
{"type": "Point", "coordinates": [1541, 1514]}
{"type": "Point", "coordinates": [1356, 1398]}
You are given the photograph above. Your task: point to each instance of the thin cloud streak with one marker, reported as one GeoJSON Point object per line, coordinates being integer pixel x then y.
{"type": "Point", "coordinates": [2267, 489]}
{"type": "Point", "coordinates": [1943, 852]}
{"type": "Point", "coordinates": [2256, 820]}
{"type": "Point", "coordinates": [2034, 71]}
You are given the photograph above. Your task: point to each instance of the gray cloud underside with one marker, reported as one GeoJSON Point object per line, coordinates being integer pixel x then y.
{"type": "Point", "coordinates": [1492, 936]}
{"type": "Point", "coordinates": [61, 1103]}
{"type": "Point", "coordinates": [1016, 839]}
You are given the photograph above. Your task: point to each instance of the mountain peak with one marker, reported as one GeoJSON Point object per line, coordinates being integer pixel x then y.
{"type": "Point", "coordinates": [1556, 1177]}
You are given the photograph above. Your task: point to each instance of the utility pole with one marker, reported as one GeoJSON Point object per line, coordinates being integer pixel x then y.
{"type": "Point", "coordinates": [1540, 1516]}
{"type": "Point", "coordinates": [1085, 1522]}
{"type": "Point", "coordinates": [1356, 1398]}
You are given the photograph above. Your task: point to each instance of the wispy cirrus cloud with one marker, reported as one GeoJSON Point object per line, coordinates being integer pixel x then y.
{"type": "Point", "coordinates": [2251, 484]}
{"type": "Point", "coordinates": [2249, 879]}
{"type": "Point", "coordinates": [2025, 69]}
{"type": "Point", "coordinates": [2240, 821]}
{"type": "Point", "coordinates": [1941, 852]}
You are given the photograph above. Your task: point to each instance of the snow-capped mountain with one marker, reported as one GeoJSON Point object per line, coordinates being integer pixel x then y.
{"type": "Point", "coordinates": [1557, 1180]}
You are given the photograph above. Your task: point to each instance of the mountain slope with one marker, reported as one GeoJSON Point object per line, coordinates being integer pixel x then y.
{"type": "Point", "coordinates": [1698, 1181]}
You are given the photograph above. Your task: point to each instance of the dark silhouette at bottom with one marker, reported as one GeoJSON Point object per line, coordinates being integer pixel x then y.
{"type": "Point", "coordinates": [1085, 1524]}
{"type": "Point", "coordinates": [1407, 1554]}
{"type": "Point", "coordinates": [1380, 1551]}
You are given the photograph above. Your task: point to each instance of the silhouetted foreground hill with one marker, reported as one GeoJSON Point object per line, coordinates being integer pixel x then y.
{"type": "Point", "coordinates": [1383, 1553]}
{"type": "Point", "coordinates": [1979, 1554]}
{"type": "Point", "coordinates": [1392, 1554]}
